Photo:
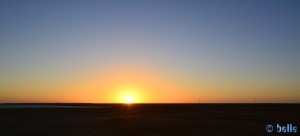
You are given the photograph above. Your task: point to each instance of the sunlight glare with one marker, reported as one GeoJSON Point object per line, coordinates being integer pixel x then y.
{"type": "Point", "coordinates": [128, 99]}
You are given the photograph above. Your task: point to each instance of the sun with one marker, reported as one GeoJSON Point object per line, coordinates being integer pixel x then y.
{"type": "Point", "coordinates": [128, 99]}
{"type": "Point", "coordinates": [129, 95]}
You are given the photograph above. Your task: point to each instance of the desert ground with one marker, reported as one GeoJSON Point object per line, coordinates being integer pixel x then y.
{"type": "Point", "coordinates": [146, 119]}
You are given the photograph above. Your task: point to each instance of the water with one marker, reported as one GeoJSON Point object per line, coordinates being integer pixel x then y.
{"type": "Point", "coordinates": [16, 106]}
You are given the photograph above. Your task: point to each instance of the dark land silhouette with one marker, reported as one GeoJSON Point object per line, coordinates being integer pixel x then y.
{"type": "Point", "coordinates": [146, 119]}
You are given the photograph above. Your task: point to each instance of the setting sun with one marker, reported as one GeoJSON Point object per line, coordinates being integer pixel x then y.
{"type": "Point", "coordinates": [129, 99]}
{"type": "Point", "coordinates": [129, 94]}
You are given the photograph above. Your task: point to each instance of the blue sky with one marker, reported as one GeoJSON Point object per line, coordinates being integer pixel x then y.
{"type": "Point", "coordinates": [242, 43]}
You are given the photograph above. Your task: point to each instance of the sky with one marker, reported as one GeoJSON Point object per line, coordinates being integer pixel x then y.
{"type": "Point", "coordinates": [153, 51]}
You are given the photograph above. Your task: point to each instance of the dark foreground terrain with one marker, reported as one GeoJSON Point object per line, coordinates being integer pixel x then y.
{"type": "Point", "coordinates": [148, 119]}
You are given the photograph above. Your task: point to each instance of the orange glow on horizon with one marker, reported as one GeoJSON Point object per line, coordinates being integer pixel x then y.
{"type": "Point", "coordinates": [130, 85]}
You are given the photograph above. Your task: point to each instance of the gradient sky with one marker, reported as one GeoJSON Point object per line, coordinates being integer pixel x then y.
{"type": "Point", "coordinates": [154, 50]}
